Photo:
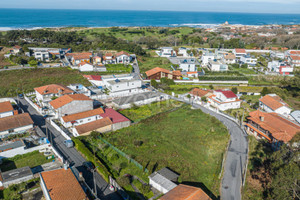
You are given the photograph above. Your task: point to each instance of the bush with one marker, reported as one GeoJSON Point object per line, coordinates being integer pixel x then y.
{"type": "Point", "coordinates": [123, 165]}
{"type": "Point", "coordinates": [223, 78]}
{"type": "Point", "coordinates": [138, 143]}
{"type": "Point", "coordinates": [123, 181]}
{"type": "Point", "coordinates": [154, 83]}
{"type": "Point", "coordinates": [115, 157]}
{"type": "Point", "coordinates": [145, 189]}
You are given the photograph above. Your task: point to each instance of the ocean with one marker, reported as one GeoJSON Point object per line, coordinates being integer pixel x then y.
{"type": "Point", "coordinates": [37, 18]}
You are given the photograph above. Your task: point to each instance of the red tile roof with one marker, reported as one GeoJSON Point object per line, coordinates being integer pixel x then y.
{"type": "Point", "coordinates": [185, 192]}
{"type": "Point", "coordinates": [81, 56]}
{"type": "Point", "coordinates": [295, 52]}
{"type": "Point", "coordinates": [15, 121]}
{"type": "Point", "coordinates": [198, 92]}
{"type": "Point", "coordinates": [5, 107]}
{"type": "Point", "coordinates": [176, 73]}
{"type": "Point", "coordinates": [122, 53]}
{"type": "Point", "coordinates": [63, 100]}
{"type": "Point", "coordinates": [273, 102]}
{"type": "Point", "coordinates": [92, 126]}
{"type": "Point", "coordinates": [114, 116]}
{"type": "Point", "coordinates": [83, 115]}
{"type": "Point", "coordinates": [93, 77]}
{"type": "Point", "coordinates": [53, 89]}
{"type": "Point", "coordinates": [240, 50]}
{"type": "Point", "coordinates": [156, 70]}
{"type": "Point", "coordinates": [280, 128]}
{"type": "Point", "coordinates": [62, 184]}
{"type": "Point", "coordinates": [295, 57]}
{"type": "Point", "coordinates": [227, 93]}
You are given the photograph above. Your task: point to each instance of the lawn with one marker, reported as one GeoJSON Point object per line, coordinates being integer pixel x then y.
{"type": "Point", "coordinates": [31, 159]}
{"type": "Point", "coordinates": [25, 80]}
{"type": "Point", "coordinates": [136, 114]}
{"type": "Point", "coordinates": [147, 63]}
{"type": "Point", "coordinates": [188, 141]}
{"type": "Point", "coordinates": [118, 68]}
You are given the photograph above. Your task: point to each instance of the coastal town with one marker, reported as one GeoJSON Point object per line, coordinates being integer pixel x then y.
{"type": "Point", "coordinates": [102, 123]}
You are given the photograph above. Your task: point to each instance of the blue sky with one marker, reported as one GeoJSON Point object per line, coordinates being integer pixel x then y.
{"type": "Point", "coordinates": [250, 6]}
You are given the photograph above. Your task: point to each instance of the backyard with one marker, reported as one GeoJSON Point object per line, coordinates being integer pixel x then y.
{"type": "Point", "coordinates": [31, 159]}
{"type": "Point", "coordinates": [188, 141]}
{"type": "Point", "coordinates": [118, 68]}
{"type": "Point", "coordinates": [147, 63]}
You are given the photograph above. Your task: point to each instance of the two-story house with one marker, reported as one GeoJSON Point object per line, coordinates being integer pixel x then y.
{"type": "Point", "coordinates": [273, 103]}
{"type": "Point", "coordinates": [123, 57]}
{"type": "Point", "coordinates": [188, 65]}
{"type": "Point", "coordinates": [157, 73]}
{"type": "Point", "coordinates": [6, 109]}
{"type": "Point", "coordinates": [166, 52]}
{"type": "Point", "coordinates": [224, 100]}
{"type": "Point", "coordinates": [239, 53]}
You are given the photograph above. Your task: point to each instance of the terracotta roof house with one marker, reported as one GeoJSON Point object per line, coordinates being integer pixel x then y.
{"type": "Point", "coordinates": [61, 184]}
{"type": "Point", "coordinates": [101, 125]}
{"type": "Point", "coordinates": [224, 100]}
{"type": "Point", "coordinates": [6, 109]}
{"type": "Point", "coordinates": [109, 58]}
{"type": "Point", "coordinates": [199, 93]}
{"type": "Point", "coordinates": [123, 57]}
{"type": "Point", "coordinates": [273, 103]}
{"type": "Point", "coordinates": [158, 73]}
{"type": "Point", "coordinates": [185, 192]}
{"type": "Point", "coordinates": [229, 58]}
{"type": "Point", "coordinates": [239, 53]}
{"type": "Point", "coordinates": [77, 58]}
{"type": "Point", "coordinates": [71, 104]}
{"type": "Point", "coordinates": [81, 118]}
{"type": "Point", "coordinates": [294, 60]}
{"type": "Point", "coordinates": [45, 93]}
{"type": "Point", "coordinates": [118, 120]}
{"type": "Point", "coordinates": [15, 124]}
{"type": "Point", "coordinates": [93, 77]}
{"type": "Point", "coordinates": [271, 126]}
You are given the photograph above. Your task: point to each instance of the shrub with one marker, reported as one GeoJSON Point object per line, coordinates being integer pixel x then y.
{"type": "Point", "coordinates": [115, 157]}
{"type": "Point", "coordinates": [145, 189]}
{"type": "Point", "coordinates": [123, 165]}
{"type": "Point", "coordinates": [123, 181]}
{"type": "Point", "coordinates": [138, 143]}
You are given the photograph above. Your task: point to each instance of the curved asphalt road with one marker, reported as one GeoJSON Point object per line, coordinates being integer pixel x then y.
{"type": "Point", "coordinates": [236, 156]}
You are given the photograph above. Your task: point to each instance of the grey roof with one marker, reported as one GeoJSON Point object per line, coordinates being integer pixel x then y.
{"type": "Point", "coordinates": [188, 61]}
{"type": "Point", "coordinates": [117, 81]}
{"type": "Point", "coordinates": [16, 174]}
{"type": "Point", "coordinates": [12, 145]}
{"type": "Point", "coordinates": [135, 98]}
{"type": "Point", "coordinates": [162, 181]}
{"type": "Point", "coordinates": [296, 115]}
{"type": "Point", "coordinates": [169, 174]}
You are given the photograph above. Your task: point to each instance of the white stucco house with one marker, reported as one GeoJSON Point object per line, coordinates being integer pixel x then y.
{"type": "Point", "coordinates": [166, 52]}
{"type": "Point", "coordinates": [6, 109]}
{"type": "Point", "coordinates": [188, 65]}
{"type": "Point", "coordinates": [207, 57]}
{"type": "Point", "coordinates": [229, 58]}
{"type": "Point", "coordinates": [123, 57]}
{"type": "Point", "coordinates": [70, 104]}
{"type": "Point", "coordinates": [239, 53]}
{"type": "Point", "coordinates": [183, 52]}
{"type": "Point", "coordinates": [15, 124]}
{"type": "Point", "coordinates": [85, 67]}
{"type": "Point", "coordinates": [45, 93]}
{"type": "Point", "coordinates": [248, 60]}
{"type": "Point", "coordinates": [273, 103]}
{"type": "Point", "coordinates": [215, 65]}
{"type": "Point", "coordinates": [224, 100]}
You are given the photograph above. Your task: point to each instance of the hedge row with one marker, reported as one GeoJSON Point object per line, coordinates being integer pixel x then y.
{"type": "Point", "coordinates": [90, 157]}
{"type": "Point", "coordinates": [223, 78]}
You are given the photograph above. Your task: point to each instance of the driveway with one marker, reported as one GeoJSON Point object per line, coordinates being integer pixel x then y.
{"type": "Point", "coordinates": [70, 154]}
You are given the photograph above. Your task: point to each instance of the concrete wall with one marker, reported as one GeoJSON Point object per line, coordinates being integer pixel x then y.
{"type": "Point", "coordinates": [44, 188]}
{"type": "Point", "coordinates": [104, 129]}
{"type": "Point", "coordinates": [75, 107]}
{"type": "Point", "coordinates": [22, 129]}
{"type": "Point", "coordinates": [17, 181]}
{"type": "Point", "coordinates": [22, 150]}
{"type": "Point", "coordinates": [120, 125]}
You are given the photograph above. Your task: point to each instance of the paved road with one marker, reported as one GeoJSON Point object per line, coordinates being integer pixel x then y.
{"type": "Point", "coordinates": [236, 156]}
{"type": "Point", "coordinates": [70, 154]}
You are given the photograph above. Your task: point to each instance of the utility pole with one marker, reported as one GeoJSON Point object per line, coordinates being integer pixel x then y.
{"type": "Point", "coordinates": [242, 117]}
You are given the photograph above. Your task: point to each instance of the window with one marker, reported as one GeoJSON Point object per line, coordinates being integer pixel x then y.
{"type": "Point", "coordinates": [89, 119]}
{"type": "Point", "coordinates": [81, 121]}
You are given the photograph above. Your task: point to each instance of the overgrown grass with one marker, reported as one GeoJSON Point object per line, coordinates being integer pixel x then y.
{"type": "Point", "coordinates": [188, 141]}
{"type": "Point", "coordinates": [25, 80]}
{"type": "Point", "coordinates": [119, 68]}
{"type": "Point", "coordinates": [138, 113]}
{"type": "Point", "coordinates": [147, 63]}
{"type": "Point", "coordinates": [31, 159]}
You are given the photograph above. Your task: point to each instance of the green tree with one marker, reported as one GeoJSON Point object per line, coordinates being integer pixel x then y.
{"type": "Point", "coordinates": [33, 63]}
{"type": "Point", "coordinates": [154, 83]}
{"type": "Point", "coordinates": [264, 91]}
{"type": "Point", "coordinates": [234, 90]}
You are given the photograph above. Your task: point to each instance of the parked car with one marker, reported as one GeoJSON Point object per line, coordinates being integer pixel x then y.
{"type": "Point", "coordinates": [68, 143]}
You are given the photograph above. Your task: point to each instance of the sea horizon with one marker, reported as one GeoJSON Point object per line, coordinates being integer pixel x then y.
{"type": "Point", "coordinates": [16, 18]}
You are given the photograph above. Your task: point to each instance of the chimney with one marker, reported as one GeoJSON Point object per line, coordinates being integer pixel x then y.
{"type": "Point", "coordinates": [262, 118]}
{"type": "Point", "coordinates": [66, 165]}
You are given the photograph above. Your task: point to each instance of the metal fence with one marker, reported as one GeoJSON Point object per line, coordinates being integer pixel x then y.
{"type": "Point", "coordinates": [125, 155]}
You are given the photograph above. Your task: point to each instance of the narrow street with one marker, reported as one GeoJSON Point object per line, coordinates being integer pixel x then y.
{"type": "Point", "coordinates": [70, 154]}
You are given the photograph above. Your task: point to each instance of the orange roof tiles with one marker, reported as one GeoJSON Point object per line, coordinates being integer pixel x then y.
{"type": "Point", "coordinates": [280, 128]}
{"type": "Point", "coordinates": [185, 192]}
{"type": "Point", "coordinates": [297, 57]}
{"type": "Point", "coordinates": [15, 121]}
{"type": "Point", "coordinates": [176, 73]}
{"type": "Point", "coordinates": [5, 107]}
{"type": "Point", "coordinates": [83, 115]}
{"type": "Point", "coordinates": [295, 52]}
{"type": "Point", "coordinates": [240, 50]}
{"type": "Point", "coordinates": [198, 92]}
{"type": "Point", "coordinates": [53, 89]}
{"type": "Point", "coordinates": [63, 100]}
{"type": "Point", "coordinates": [229, 56]}
{"type": "Point", "coordinates": [88, 127]}
{"type": "Point", "coordinates": [81, 56]}
{"type": "Point", "coordinates": [273, 102]}
{"type": "Point", "coordinates": [122, 53]}
{"type": "Point", "coordinates": [62, 184]}
{"type": "Point", "coordinates": [156, 70]}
